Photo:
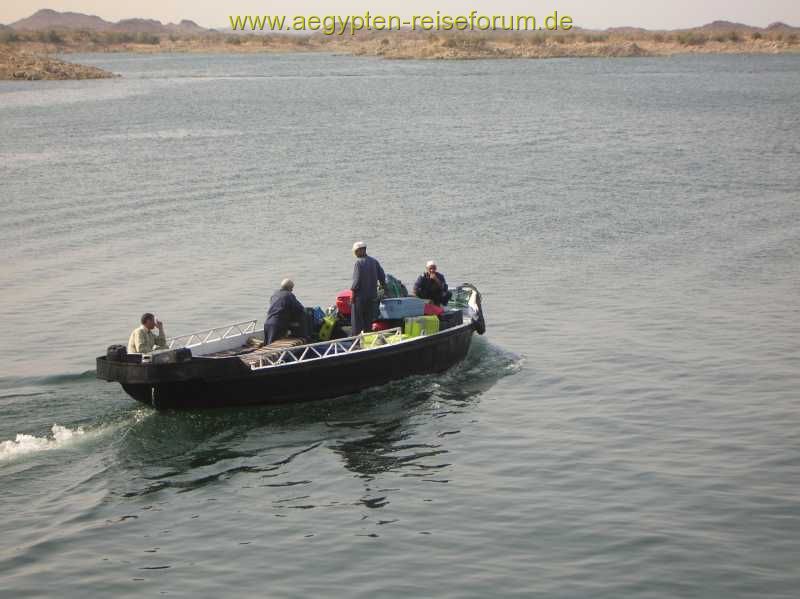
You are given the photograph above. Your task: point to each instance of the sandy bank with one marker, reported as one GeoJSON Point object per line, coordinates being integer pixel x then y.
{"type": "Point", "coordinates": [16, 64]}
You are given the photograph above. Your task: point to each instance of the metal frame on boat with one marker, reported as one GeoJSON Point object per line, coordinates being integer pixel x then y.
{"type": "Point", "coordinates": [334, 347]}
{"type": "Point", "coordinates": [217, 367]}
{"type": "Point", "coordinates": [229, 331]}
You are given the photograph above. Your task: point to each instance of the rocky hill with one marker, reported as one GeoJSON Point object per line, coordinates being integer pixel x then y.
{"type": "Point", "coordinates": [50, 19]}
{"type": "Point", "coordinates": [46, 19]}
{"type": "Point", "coordinates": [716, 26]}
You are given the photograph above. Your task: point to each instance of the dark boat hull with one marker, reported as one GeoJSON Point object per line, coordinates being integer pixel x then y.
{"type": "Point", "coordinates": [215, 383]}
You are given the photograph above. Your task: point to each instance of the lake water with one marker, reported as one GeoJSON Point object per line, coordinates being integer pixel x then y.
{"type": "Point", "coordinates": [628, 427]}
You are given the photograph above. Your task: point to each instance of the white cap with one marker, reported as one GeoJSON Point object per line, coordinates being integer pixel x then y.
{"type": "Point", "coordinates": [358, 245]}
{"type": "Point", "coordinates": [287, 284]}
{"type": "Point", "coordinates": [430, 263]}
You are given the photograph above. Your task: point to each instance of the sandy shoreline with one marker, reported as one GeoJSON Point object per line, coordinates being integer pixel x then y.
{"type": "Point", "coordinates": [16, 65]}
{"type": "Point", "coordinates": [31, 60]}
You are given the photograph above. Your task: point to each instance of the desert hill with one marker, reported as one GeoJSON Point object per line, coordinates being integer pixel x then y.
{"type": "Point", "coordinates": [46, 19]}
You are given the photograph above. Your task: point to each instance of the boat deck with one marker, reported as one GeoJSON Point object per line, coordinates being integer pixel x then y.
{"type": "Point", "coordinates": [251, 355]}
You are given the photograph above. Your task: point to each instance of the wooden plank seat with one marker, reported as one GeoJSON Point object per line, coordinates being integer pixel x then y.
{"type": "Point", "coordinates": [255, 356]}
{"type": "Point", "coordinates": [254, 351]}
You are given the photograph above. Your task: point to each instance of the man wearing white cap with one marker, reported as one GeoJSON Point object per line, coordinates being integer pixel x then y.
{"type": "Point", "coordinates": [367, 274]}
{"type": "Point", "coordinates": [285, 311]}
{"type": "Point", "coordinates": [431, 285]}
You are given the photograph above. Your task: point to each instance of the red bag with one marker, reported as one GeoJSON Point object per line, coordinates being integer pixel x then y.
{"type": "Point", "coordinates": [344, 302]}
{"type": "Point", "coordinates": [381, 325]}
{"type": "Point", "coordinates": [432, 310]}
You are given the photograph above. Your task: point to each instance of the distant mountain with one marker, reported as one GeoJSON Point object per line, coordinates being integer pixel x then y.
{"type": "Point", "coordinates": [726, 26]}
{"type": "Point", "coordinates": [138, 26]}
{"type": "Point", "coordinates": [187, 26]}
{"type": "Point", "coordinates": [626, 30]}
{"type": "Point", "coordinates": [778, 26]}
{"type": "Point", "coordinates": [50, 19]}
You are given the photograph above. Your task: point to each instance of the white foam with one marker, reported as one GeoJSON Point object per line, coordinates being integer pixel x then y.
{"type": "Point", "coordinates": [23, 444]}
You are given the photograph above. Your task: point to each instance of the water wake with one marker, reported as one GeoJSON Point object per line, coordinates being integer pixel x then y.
{"type": "Point", "coordinates": [60, 436]}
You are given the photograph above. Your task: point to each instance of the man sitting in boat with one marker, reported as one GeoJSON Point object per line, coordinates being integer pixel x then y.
{"type": "Point", "coordinates": [431, 285]}
{"type": "Point", "coordinates": [367, 275]}
{"type": "Point", "coordinates": [143, 340]}
{"type": "Point", "coordinates": [285, 312]}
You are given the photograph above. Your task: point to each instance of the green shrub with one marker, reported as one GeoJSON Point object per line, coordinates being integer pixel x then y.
{"type": "Point", "coordinates": [8, 36]}
{"type": "Point", "coordinates": [691, 38]}
{"type": "Point", "coordinates": [756, 35]}
{"type": "Point", "coordinates": [118, 37]}
{"type": "Point", "coordinates": [50, 37]}
{"type": "Point", "coordinates": [596, 38]}
{"type": "Point", "coordinates": [147, 38]}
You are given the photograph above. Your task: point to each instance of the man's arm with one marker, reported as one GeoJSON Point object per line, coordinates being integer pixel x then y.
{"type": "Point", "coordinates": [297, 307]}
{"type": "Point", "coordinates": [381, 274]}
{"type": "Point", "coordinates": [418, 285]}
{"type": "Point", "coordinates": [356, 277]}
{"type": "Point", "coordinates": [444, 283]}
{"type": "Point", "coordinates": [161, 338]}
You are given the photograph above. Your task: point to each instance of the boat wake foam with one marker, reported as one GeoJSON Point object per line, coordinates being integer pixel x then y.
{"type": "Point", "coordinates": [60, 436]}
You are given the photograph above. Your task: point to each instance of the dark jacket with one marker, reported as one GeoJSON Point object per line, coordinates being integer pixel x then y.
{"type": "Point", "coordinates": [426, 288]}
{"type": "Point", "coordinates": [367, 272]}
{"type": "Point", "coordinates": [284, 308]}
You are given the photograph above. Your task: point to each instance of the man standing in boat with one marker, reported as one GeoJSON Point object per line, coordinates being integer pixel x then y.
{"type": "Point", "coordinates": [285, 311]}
{"type": "Point", "coordinates": [367, 274]}
{"type": "Point", "coordinates": [143, 340]}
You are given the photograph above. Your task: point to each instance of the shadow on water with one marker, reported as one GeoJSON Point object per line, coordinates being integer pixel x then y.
{"type": "Point", "coordinates": [372, 431]}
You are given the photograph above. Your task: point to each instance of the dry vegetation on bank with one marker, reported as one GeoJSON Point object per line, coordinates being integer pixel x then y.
{"type": "Point", "coordinates": [23, 54]}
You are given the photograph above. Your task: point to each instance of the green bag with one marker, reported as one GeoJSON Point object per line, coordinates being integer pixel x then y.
{"type": "Point", "coordinates": [395, 287]}
{"type": "Point", "coordinates": [326, 330]}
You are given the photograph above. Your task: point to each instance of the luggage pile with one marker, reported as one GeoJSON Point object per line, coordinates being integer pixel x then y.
{"type": "Point", "coordinates": [416, 317]}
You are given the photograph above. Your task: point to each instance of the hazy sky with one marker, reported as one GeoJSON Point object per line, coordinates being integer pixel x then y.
{"type": "Point", "coordinates": [586, 13]}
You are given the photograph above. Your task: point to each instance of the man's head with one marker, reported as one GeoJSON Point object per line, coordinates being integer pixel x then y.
{"type": "Point", "coordinates": [287, 285]}
{"type": "Point", "coordinates": [360, 249]}
{"type": "Point", "coordinates": [148, 320]}
{"type": "Point", "coordinates": [430, 267]}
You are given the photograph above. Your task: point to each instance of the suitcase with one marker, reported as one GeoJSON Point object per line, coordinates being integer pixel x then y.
{"type": "Point", "coordinates": [450, 319]}
{"type": "Point", "coordinates": [393, 308]}
{"type": "Point", "coordinates": [418, 326]}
